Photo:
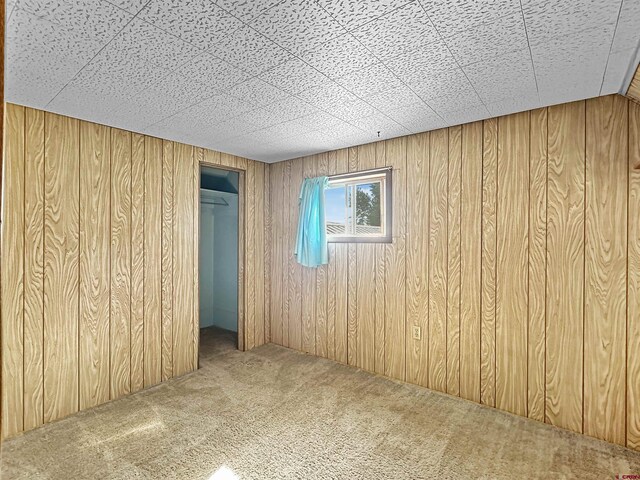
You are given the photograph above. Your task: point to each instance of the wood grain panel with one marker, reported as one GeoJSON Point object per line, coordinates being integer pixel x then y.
{"type": "Point", "coordinates": [266, 248]}
{"type": "Point", "coordinates": [366, 281]}
{"type": "Point", "coordinates": [2, 112]}
{"type": "Point", "coordinates": [633, 91]}
{"type": "Point", "coordinates": [92, 260]}
{"type": "Point", "coordinates": [294, 310]}
{"type": "Point", "coordinates": [33, 268]}
{"type": "Point", "coordinates": [137, 262]}
{"type": "Point", "coordinates": [198, 159]}
{"type": "Point", "coordinates": [332, 165]}
{"type": "Point", "coordinates": [554, 272]}
{"type": "Point", "coordinates": [167, 259]}
{"type": "Point", "coordinates": [489, 239]}
{"type": "Point", "coordinates": [352, 281]}
{"type": "Point", "coordinates": [537, 263]}
{"type": "Point", "coordinates": [13, 223]}
{"type": "Point", "coordinates": [225, 160]}
{"type": "Point", "coordinates": [322, 161]}
{"type": "Point", "coordinates": [242, 226]}
{"type": "Point", "coordinates": [379, 310]}
{"type": "Point", "coordinates": [277, 275]}
{"type": "Point", "coordinates": [633, 281]}
{"type": "Point", "coordinates": [352, 304]}
{"type": "Point", "coordinates": [61, 251]}
{"type": "Point", "coordinates": [212, 158]}
{"type": "Point", "coordinates": [417, 283]}
{"type": "Point", "coordinates": [120, 320]}
{"type": "Point", "coordinates": [331, 303]}
{"type": "Point", "coordinates": [395, 266]}
{"type": "Point", "coordinates": [95, 285]}
{"type": "Point", "coordinates": [241, 163]}
{"type": "Point", "coordinates": [183, 260]}
{"type": "Point", "coordinates": [454, 226]}
{"type": "Point", "coordinates": [250, 254]}
{"type": "Point", "coordinates": [513, 202]}
{"type": "Point", "coordinates": [284, 248]}
{"type": "Point", "coordinates": [259, 325]}
{"type": "Point", "coordinates": [512, 263]}
{"type": "Point", "coordinates": [153, 261]}
{"type": "Point", "coordinates": [341, 325]}
{"type": "Point", "coordinates": [342, 265]}
{"type": "Point", "coordinates": [605, 268]}
{"type": "Point", "coordinates": [565, 265]}
{"type": "Point", "coordinates": [438, 267]}
{"type": "Point", "coordinates": [309, 288]}
{"type": "Point", "coordinates": [471, 261]}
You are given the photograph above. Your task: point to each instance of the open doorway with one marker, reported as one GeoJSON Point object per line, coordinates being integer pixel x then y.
{"type": "Point", "coordinates": [218, 260]}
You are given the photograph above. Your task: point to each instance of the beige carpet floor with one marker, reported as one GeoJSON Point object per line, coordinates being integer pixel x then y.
{"type": "Point", "coordinates": [276, 413]}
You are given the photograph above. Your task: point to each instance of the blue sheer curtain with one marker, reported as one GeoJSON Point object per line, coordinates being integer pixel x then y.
{"type": "Point", "coordinates": [311, 242]}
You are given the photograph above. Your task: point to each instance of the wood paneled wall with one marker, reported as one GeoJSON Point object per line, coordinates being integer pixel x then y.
{"type": "Point", "coordinates": [516, 249]}
{"type": "Point", "coordinates": [99, 263]}
{"type": "Point", "coordinates": [633, 91]}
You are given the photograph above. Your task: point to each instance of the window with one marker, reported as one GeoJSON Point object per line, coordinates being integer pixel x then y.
{"type": "Point", "coordinates": [358, 207]}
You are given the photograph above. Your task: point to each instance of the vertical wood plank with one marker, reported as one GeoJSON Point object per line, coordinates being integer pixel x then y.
{"type": "Point", "coordinates": [512, 265]}
{"type": "Point", "coordinates": [33, 269]}
{"type": "Point", "coordinates": [242, 226]}
{"type": "Point", "coordinates": [13, 272]}
{"type": "Point", "coordinates": [366, 281]}
{"type": "Point", "coordinates": [395, 266]}
{"type": "Point", "coordinates": [454, 227]}
{"type": "Point", "coordinates": [321, 280]}
{"type": "Point", "coordinates": [95, 286]}
{"type": "Point", "coordinates": [294, 306]}
{"type": "Point", "coordinates": [332, 159]}
{"type": "Point", "coordinates": [438, 269]}
{"type": "Point", "coordinates": [633, 289]}
{"type": "Point", "coordinates": [417, 283]}
{"type": "Point", "coordinates": [61, 251]}
{"type": "Point", "coordinates": [284, 251]}
{"type": "Point", "coordinates": [379, 308]}
{"type": "Point", "coordinates": [471, 261]}
{"type": "Point", "coordinates": [120, 321]}
{"type": "Point", "coordinates": [250, 255]}
{"type": "Point", "coordinates": [153, 261]}
{"type": "Point", "coordinates": [167, 259]}
{"type": "Point", "coordinates": [605, 268]}
{"type": "Point", "coordinates": [212, 157]}
{"type": "Point", "coordinates": [268, 253]}
{"type": "Point", "coordinates": [331, 303]}
{"type": "Point", "coordinates": [565, 265]}
{"type": "Point", "coordinates": [259, 333]}
{"type": "Point", "coordinates": [352, 280]}
{"type": "Point", "coordinates": [341, 292]}
{"type": "Point", "coordinates": [183, 259]}
{"type": "Point", "coordinates": [488, 320]}
{"type": "Point", "coordinates": [223, 159]}
{"type": "Point", "coordinates": [537, 265]}
{"type": "Point", "coordinates": [341, 325]}
{"type": "Point", "coordinates": [137, 262]}
{"type": "Point", "coordinates": [2, 116]}
{"type": "Point", "coordinates": [276, 241]}
{"type": "Point", "coordinates": [198, 158]}
{"type": "Point", "coordinates": [352, 304]}
{"type": "Point", "coordinates": [309, 291]}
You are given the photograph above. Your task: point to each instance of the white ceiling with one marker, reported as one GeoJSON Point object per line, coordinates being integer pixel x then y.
{"type": "Point", "coordinates": [272, 79]}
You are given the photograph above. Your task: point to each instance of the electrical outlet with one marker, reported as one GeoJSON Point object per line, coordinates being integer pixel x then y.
{"type": "Point", "coordinates": [416, 332]}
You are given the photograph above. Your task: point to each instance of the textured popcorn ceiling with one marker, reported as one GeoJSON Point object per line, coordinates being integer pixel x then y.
{"type": "Point", "coordinates": [271, 80]}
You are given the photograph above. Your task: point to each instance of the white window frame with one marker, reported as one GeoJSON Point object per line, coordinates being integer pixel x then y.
{"type": "Point", "coordinates": [384, 176]}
